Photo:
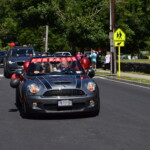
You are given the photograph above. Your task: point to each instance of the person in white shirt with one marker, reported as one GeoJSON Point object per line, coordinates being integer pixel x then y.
{"type": "Point", "coordinates": [107, 60]}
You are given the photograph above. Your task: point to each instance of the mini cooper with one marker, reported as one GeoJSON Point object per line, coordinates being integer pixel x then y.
{"type": "Point", "coordinates": [56, 85]}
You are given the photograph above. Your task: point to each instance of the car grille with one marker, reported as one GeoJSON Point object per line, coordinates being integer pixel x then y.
{"type": "Point", "coordinates": [64, 92]}
{"type": "Point", "coordinates": [20, 63]}
{"type": "Point", "coordinates": [54, 107]}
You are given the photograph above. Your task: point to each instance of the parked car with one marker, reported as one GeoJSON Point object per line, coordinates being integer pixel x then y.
{"type": "Point", "coordinates": [62, 54]}
{"type": "Point", "coordinates": [123, 56]}
{"type": "Point", "coordinates": [60, 86]}
{"type": "Point", "coordinates": [2, 55]}
{"type": "Point", "coordinates": [16, 56]}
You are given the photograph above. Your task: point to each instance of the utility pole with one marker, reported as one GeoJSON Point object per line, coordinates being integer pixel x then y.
{"type": "Point", "coordinates": [112, 30]}
{"type": "Point", "coordinates": [46, 39]}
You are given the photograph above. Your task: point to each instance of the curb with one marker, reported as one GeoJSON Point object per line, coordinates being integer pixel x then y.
{"type": "Point", "coordinates": [126, 81]}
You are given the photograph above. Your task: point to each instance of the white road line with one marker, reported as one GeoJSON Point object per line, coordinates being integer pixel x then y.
{"type": "Point", "coordinates": [122, 82]}
{"type": "Point", "coordinates": [99, 77]}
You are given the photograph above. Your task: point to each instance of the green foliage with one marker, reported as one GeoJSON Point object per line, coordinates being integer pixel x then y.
{"type": "Point", "coordinates": [74, 24]}
{"type": "Point", "coordinates": [133, 17]}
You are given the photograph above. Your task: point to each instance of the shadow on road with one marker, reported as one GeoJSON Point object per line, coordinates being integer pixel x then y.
{"type": "Point", "coordinates": [53, 116]}
{"type": "Point", "coordinates": [60, 117]}
{"type": "Point", "coordinates": [13, 110]}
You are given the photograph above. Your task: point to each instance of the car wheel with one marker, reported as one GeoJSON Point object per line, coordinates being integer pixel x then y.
{"type": "Point", "coordinates": [24, 112]}
{"type": "Point", "coordinates": [95, 113]}
{"type": "Point", "coordinates": [6, 74]}
{"type": "Point", "coordinates": [18, 103]}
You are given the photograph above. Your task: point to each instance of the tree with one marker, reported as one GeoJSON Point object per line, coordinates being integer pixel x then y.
{"type": "Point", "coordinates": [74, 24]}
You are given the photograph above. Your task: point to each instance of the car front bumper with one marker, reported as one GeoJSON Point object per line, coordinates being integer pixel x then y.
{"type": "Point", "coordinates": [38, 104]}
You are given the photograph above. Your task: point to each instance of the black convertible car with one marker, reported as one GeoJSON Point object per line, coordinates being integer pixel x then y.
{"type": "Point", "coordinates": [55, 85]}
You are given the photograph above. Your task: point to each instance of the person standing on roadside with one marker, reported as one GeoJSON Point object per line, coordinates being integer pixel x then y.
{"type": "Point", "coordinates": [98, 60]}
{"type": "Point", "coordinates": [107, 61]}
{"type": "Point", "coordinates": [93, 57]}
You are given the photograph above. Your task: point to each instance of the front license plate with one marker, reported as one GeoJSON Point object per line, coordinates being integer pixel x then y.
{"type": "Point", "coordinates": [64, 103]}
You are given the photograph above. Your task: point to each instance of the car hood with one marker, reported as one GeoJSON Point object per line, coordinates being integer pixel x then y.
{"type": "Point", "coordinates": [21, 59]}
{"type": "Point", "coordinates": [60, 82]}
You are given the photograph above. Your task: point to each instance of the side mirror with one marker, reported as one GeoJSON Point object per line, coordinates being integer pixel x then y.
{"type": "Point", "coordinates": [14, 83]}
{"type": "Point", "coordinates": [91, 73]}
{"type": "Point", "coordinates": [16, 78]}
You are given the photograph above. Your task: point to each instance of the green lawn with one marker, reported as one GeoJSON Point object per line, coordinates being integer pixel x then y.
{"type": "Point", "coordinates": [123, 78]}
{"type": "Point", "coordinates": [140, 73]}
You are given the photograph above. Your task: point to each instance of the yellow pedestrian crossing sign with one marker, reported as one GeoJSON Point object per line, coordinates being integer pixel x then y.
{"type": "Point", "coordinates": [119, 35]}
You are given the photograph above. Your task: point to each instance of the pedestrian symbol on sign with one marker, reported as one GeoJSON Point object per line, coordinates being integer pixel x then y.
{"type": "Point", "coordinates": [119, 35]}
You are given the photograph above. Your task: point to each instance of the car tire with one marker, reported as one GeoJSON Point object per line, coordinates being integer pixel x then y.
{"type": "Point", "coordinates": [24, 111]}
{"type": "Point", "coordinates": [18, 103]}
{"type": "Point", "coordinates": [6, 74]}
{"type": "Point", "coordinates": [95, 113]}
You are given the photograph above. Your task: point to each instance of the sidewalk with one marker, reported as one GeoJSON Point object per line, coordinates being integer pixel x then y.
{"type": "Point", "coordinates": [138, 76]}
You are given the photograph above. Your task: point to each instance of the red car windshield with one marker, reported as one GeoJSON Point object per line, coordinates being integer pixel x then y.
{"type": "Point", "coordinates": [55, 65]}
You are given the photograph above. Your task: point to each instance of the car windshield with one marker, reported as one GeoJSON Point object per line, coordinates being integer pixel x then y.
{"type": "Point", "coordinates": [22, 52]}
{"type": "Point", "coordinates": [55, 68]}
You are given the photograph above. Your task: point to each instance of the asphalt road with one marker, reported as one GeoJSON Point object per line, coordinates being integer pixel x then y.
{"type": "Point", "coordinates": [123, 123]}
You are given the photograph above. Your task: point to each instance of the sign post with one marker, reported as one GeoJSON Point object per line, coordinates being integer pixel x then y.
{"type": "Point", "coordinates": [46, 39]}
{"type": "Point", "coordinates": [119, 61]}
{"type": "Point", "coordinates": [119, 39]}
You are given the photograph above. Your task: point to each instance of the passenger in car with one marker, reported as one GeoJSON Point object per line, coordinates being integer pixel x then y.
{"type": "Point", "coordinates": [44, 67]}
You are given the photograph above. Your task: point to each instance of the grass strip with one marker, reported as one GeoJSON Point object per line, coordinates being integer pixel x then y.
{"type": "Point", "coordinates": [140, 73]}
{"type": "Point", "coordinates": [124, 77]}
{"type": "Point", "coordinates": [136, 60]}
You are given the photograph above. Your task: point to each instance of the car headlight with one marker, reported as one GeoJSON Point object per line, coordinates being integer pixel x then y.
{"type": "Point", "coordinates": [91, 86]}
{"type": "Point", "coordinates": [33, 88]}
{"type": "Point", "coordinates": [11, 62]}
